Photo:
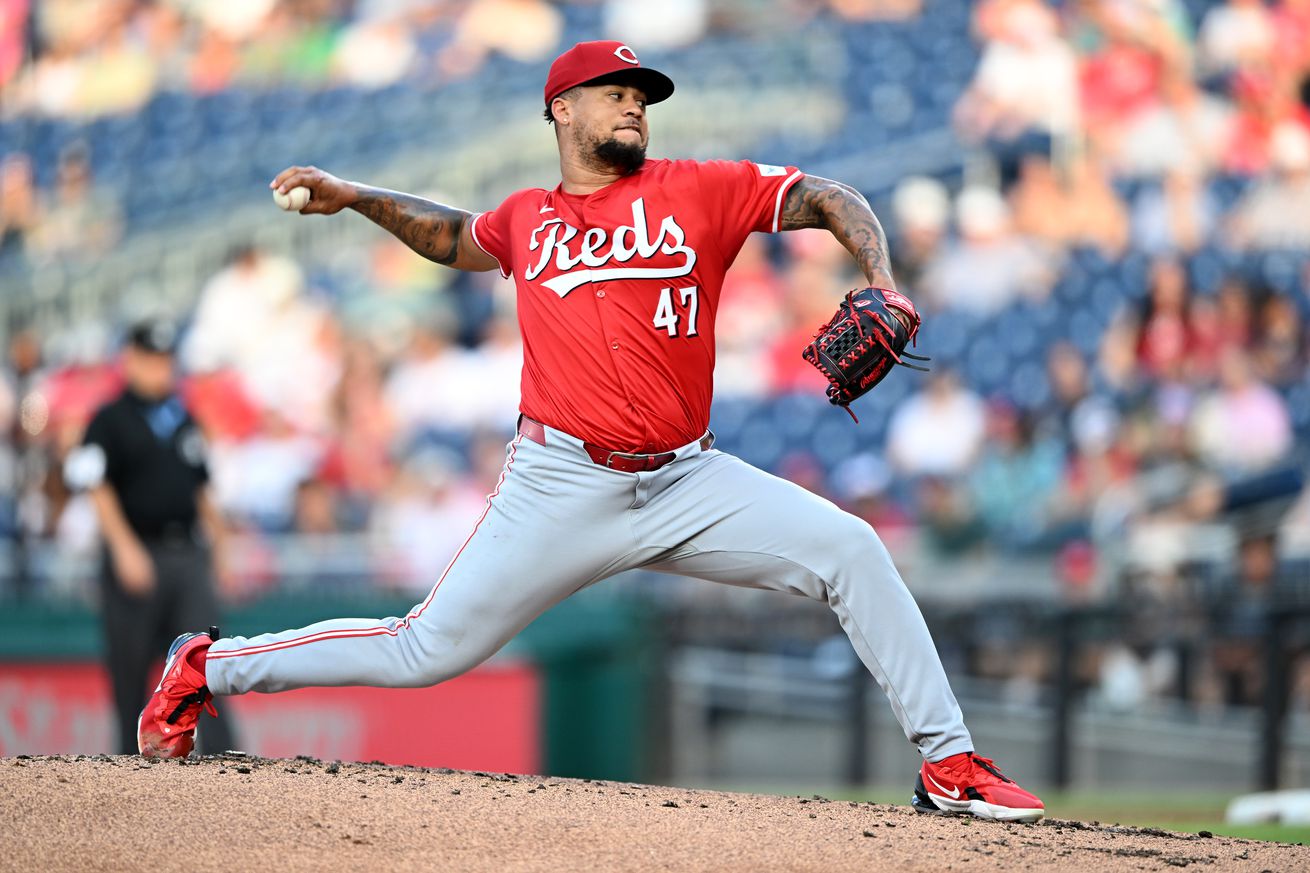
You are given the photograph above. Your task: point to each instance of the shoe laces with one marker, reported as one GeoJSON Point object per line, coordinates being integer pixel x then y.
{"type": "Point", "coordinates": [988, 765]}
{"type": "Point", "coordinates": [177, 696]}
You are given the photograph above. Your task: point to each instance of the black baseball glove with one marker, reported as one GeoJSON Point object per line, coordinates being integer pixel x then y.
{"type": "Point", "coordinates": [858, 347]}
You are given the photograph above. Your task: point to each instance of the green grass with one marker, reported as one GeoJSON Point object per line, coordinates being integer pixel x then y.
{"type": "Point", "coordinates": [1191, 812]}
{"type": "Point", "coordinates": [1273, 832]}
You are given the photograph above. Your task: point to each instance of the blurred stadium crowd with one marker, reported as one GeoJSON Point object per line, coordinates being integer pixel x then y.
{"type": "Point", "coordinates": [1113, 271]}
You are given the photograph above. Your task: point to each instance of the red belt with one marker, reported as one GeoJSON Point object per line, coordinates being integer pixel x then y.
{"type": "Point", "coordinates": [624, 462]}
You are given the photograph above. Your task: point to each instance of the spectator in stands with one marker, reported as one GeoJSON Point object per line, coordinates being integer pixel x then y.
{"type": "Point", "coordinates": [49, 85]}
{"type": "Point", "coordinates": [19, 214]}
{"type": "Point", "coordinates": [988, 267]}
{"type": "Point", "coordinates": [255, 480]}
{"type": "Point", "coordinates": [1235, 35]}
{"type": "Point", "coordinates": [374, 53]}
{"type": "Point", "coordinates": [78, 222]}
{"type": "Point", "coordinates": [1177, 217]}
{"type": "Point", "coordinates": [254, 318]}
{"type": "Point", "coordinates": [214, 62]}
{"type": "Point", "coordinates": [802, 466]}
{"type": "Point", "coordinates": [656, 26]}
{"type": "Point", "coordinates": [1133, 672]}
{"type": "Point", "coordinates": [921, 212]}
{"type": "Point", "coordinates": [1026, 81]}
{"type": "Point", "coordinates": [237, 21]}
{"type": "Point", "coordinates": [1279, 353]}
{"type": "Point", "coordinates": [1267, 104]}
{"type": "Point", "coordinates": [361, 428]}
{"type": "Point", "coordinates": [952, 526]}
{"type": "Point", "coordinates": [315, 512]}
{"type": "Point", "coordinates": [296, 370]}
{"type": "Point", "coordinates": [1241, 616]}
{"type": "Point", "coordinates": [750, 315]}
{"type": "Point", "coordinates": [875, 10]}
{"type": "Point", "coordinates": [522, 30]}
{"type": "Point", "coordinates": [1037, 201]}
{"type": "Point", "coordinates": [1075, 206]}
{"type": "Point", "coordinates": [234, 307]}
{"type": "Point", "coordinates": [1094, 214]}
{"type": "Point", "coordinates": [20, 439]}
{"type": "Point", "coordinates": [1099, 477]}
{"type": "Point", "coordinates": [1132, 48]}
{"type": "Point", "coordinates": [499, 358]}
{"type": "Point", "coordinates": [1276, 213]}
{"type": "Point", "coordinates": [119, 76]}
{"type": "Point", "coordinates": [395, 273]}
{"type": "Point", "coordinates": [862, 485]}
{"type": "Point", "coordinates": [1153, 340]}
{"type": "Point", "coordinates": [1016, 478]}
{"type": "Point", "coordinates": [1243, 425]}
{"type": "Point", "coordinates": [424, 515]}
{"type": "Point", "coordinates": [1066, 372]}
{"type": "Point", "coordinates": [436, 386]}
{"type": "Point", "coordinates": [13, 39]}
{"type": "Point", "coordinates": [937, 432]}
{"type": "Point", "coordinates": [1292, 35]}
{"type": "Point", "coordinates": [9, 460]}
{"type": "Point", "coordinates": [1186, 128]}
{"type": "Point", "coordinates": [1217, 323]}
{"type": "Point", "coordinates": [162, 30]}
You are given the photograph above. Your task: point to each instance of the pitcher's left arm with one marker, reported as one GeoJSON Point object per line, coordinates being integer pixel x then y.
{"type": "Point", "coordinates": [818, 202]}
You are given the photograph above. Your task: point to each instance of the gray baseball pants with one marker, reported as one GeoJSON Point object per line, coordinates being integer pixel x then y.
{"type": "Point", "coordinates": [557, 522]}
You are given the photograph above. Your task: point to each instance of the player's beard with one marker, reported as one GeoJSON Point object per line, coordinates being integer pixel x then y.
{"type": "Point", "coordinates": [625, 157]}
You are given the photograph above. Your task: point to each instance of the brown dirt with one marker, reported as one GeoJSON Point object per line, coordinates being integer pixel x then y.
{"type": "Point", "coordinates": [79, 813]}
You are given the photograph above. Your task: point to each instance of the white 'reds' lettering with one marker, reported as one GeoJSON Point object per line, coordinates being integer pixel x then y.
{"type": "Point", "coordinates": [666, 316]}
{"type": "Point", "coordinates": [588, 264]}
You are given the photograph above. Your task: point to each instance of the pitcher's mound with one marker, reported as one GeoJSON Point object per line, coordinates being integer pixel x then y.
{"type": "Point", "coordinates": [234, 812]}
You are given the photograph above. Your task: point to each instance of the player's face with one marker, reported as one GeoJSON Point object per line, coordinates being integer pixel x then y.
{"type": "Point", "coordinates": [609, 122]}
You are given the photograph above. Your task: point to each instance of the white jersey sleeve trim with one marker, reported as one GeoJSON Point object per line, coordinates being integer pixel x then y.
{"type": "Point", "coordinates": [782, 192]}
{"type": "Point", "coordinates": [473, 231]}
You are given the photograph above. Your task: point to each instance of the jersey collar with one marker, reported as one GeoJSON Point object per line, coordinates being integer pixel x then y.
{"type": "Point", "coordinates": [559, 200]}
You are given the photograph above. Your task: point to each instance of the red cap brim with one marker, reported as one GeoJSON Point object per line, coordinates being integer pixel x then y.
{"type": "Point", "coordinates": [658, 87]}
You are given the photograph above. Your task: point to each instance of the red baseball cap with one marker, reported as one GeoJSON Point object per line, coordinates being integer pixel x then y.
{"type": "Point", "coordinates": [588, 61]}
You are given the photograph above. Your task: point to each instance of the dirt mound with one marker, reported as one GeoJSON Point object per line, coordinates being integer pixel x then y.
{"type": "Point", "coordinates": [231, 812]}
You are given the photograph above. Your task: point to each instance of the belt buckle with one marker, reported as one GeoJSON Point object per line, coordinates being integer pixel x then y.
{"type": "Point", "coordinates": [644, 460]}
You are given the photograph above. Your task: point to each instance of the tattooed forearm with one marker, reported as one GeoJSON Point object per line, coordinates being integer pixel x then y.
{"type": "Point", "coordinates": [428, 228]}
{"type": "Point", "coordinates": [817, 202]}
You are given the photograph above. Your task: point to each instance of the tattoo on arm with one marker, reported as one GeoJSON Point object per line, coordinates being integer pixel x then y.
{"type": "Point", "coordinates": [817, 202]}
{"type": "Point", "coordinates": [428, 228]}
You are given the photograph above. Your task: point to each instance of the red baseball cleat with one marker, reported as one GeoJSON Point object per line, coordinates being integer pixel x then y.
{"type": "Point", "coordinates": [167, 726]}
{"type": "Point", "coordinates": [969, 783]}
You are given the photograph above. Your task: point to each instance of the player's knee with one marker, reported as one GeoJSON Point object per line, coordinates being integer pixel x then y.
{"type": "Point", "coordinates": [853, 539]}
{"type": "Point", "coordinates": [445, 662]}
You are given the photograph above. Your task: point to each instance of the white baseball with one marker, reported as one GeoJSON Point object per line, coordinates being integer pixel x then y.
{"type": "Point", "coordinates": [292, 201]}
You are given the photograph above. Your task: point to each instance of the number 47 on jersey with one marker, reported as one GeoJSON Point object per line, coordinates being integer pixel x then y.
{"type": "Point", "coordinates": [666, 313]}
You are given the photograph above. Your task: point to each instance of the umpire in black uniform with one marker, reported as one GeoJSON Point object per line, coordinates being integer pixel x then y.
{"type": "Point", "coordinates": [143, 462]}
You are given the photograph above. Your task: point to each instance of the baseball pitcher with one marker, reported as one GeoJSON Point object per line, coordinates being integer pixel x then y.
{"type": "Point", "coordinates": [618, 271]}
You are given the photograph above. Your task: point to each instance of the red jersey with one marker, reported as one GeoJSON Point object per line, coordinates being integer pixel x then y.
{"type": "Point", "coordinates": [618, 290]}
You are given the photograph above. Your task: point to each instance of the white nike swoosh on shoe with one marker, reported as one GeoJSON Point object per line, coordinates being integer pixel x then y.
{"type": "Point", "coordinates": [953, 794]}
